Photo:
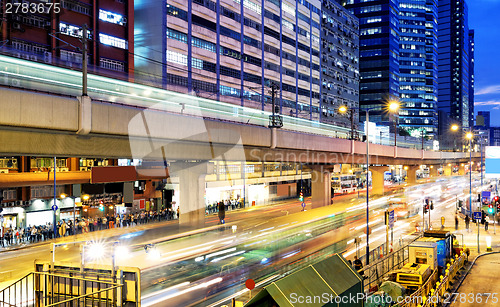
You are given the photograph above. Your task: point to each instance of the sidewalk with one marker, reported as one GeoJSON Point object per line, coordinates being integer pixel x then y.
{"type": "Point", "coordinates": [172, 228]}
{"type": "Point", "coordinates": [481, 286]}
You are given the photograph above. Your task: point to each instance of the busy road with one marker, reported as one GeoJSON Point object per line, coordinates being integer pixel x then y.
{"type": "Point", "coordinates": [183, 267]}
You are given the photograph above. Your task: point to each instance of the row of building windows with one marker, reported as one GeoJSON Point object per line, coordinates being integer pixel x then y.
{"type": "Point", "coordinates": [197, 42]}
{"type": "Point", "coordinates": [202, 22]}
{"type": "Point", "coordinates": [182, 59]}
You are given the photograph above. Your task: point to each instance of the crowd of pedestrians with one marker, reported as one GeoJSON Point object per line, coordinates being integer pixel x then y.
{"type": "Point", "coordinates": [228, 204]}
{"type": "Point", "coordinates": [32, 234]}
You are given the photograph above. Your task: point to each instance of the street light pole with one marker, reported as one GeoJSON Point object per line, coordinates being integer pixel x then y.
{"type": "Point", "coordinates": [54, 207]}
{"type": "Point", "coordinates": [481, 165]}
{"type": "Point", "coordinates": [367, 187]}
{"type": "Point", "coordinates": [393, 107]}
{"type": "Point", "coordinates": [395, 130]}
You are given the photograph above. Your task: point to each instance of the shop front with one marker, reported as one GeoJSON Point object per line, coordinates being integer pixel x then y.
{"type": "Point", "coordinates": [100, 205]}
{"type": "Point", "coordinates": [12, 217]}
{"type": "Point", "coordinates": [40, 212]}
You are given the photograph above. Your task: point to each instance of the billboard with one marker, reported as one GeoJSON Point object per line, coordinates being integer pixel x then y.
{"type": "Point", "coordinates": [492, 162]}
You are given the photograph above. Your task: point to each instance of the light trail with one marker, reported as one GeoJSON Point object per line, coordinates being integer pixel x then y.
{"type": "Point", "coordinates": [200, 286]}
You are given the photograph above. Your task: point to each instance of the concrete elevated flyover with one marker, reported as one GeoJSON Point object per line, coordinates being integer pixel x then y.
{"type": "Point", "coordinates": [52, 125]}
{"type": "Point", "coordinates": [41, 124]}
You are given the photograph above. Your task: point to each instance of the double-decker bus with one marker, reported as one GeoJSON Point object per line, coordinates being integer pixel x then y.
{"type": "Point", "coordinates": [343, 184]}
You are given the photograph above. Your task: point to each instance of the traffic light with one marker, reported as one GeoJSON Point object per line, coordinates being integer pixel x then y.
{"type": "Point", "coordinates": [490, 209]}
{"type": "Point", "coordinates": [432, 205]}
{"type": "Point", "coordinates": [426, 208]}
{"type": "Point", "coordinates": [101, 206]}
{"type": "Point", "coordinates": [301, 196]}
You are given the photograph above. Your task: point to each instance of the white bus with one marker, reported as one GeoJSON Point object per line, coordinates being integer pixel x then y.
{"type": "Point", "coordinates": [343, 184]}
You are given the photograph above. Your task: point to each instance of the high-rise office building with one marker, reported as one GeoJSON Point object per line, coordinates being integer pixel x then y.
{"type": "Point", "coordinates": [379, 54]}
{"type": "Point", "coordinates": [471, 78]}
{"type": "Point", "coordinates": [53, 33]}
{"type": "Point", "coordinates": [418, 66]}
{"type": "Point", "coordinates": [233, 51]}
{"type": "Point", "coordinates": [339, 64]}
{"type": "Point", "coordinates": [454, 73]}
{"type": "Point", "coordinates": [483, 119]}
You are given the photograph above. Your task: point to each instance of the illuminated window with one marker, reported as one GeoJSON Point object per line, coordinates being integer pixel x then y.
{"type": "Point", "coordinates": [112, 17]}
{"type": "Point", "coordinates": [286, 8]}
{"type": "Point", "coordinates": [113, 41]}
{"type": "Point", "coordinates": [251, 6]}
{"type": "Point", "coordinates": [72, 30]}
{"type": "Point", "coordinates": [177, 58]}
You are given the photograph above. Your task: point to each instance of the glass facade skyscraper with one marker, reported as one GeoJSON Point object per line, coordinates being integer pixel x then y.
{"type": "Point", "coordinates": [471, 77]}
{"type": "Point", "coordinates": [418, 66]}
{"type": "Point", "coordinates": [379, 54]}
{"type": "Point", "coordinates": [453, 63]}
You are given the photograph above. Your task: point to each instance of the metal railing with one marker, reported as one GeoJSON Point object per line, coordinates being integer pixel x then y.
{"type": "Point", "coordinates": [377, 269]}
{"type": "Point", "coordinates": [43, 289]}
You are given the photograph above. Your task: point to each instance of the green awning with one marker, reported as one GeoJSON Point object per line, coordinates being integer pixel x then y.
{"type": "Point", "coordinates": [328, 278]}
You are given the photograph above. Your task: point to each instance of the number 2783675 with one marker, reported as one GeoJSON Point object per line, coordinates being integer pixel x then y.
{"type": "Point", "coordinates": [25, 8]}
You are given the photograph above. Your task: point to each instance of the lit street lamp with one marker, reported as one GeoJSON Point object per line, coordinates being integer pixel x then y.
{"type": "Point", "coordinates": [469, 135]}
{"type": "Point", "coordinates": [393, 107]}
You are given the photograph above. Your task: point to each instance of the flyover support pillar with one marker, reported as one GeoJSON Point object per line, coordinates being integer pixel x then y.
{"type": "Point", "coordinates": [433, 171]}
{"type": "Point", "coordinates": [461, 169]}
{"type": "Point", "coordinates": [475, 166]}
{"type": "Point", "coordinates": [447, 170]}
{"type": "Point", "coordinates": [191, 192]}
{"type": "Point", "coordinates": [321, 186]}
{"type": "Point", "coordinates": [411, 174]}
{"type": "Point", "coordinates": [378, 179]}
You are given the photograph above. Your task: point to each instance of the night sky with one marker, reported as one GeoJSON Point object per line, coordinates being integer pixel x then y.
{"type": "Point", "coordinates": [484, 18]}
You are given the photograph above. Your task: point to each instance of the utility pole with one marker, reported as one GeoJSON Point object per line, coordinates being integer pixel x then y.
{"type": "Point", "coordinates": [422, 139]}
{"type": "Point", "coordinates": [275, 120]}
{"type": "Point", "coordinates": [352, 124]}
{"type": "Point", "coordinates": [84, 60]}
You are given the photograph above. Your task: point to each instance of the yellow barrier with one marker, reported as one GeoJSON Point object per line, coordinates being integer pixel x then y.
{"type": "Point", "coordinates": [444, 284]}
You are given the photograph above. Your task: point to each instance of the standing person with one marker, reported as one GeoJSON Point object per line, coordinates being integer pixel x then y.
{"type": "Point", "coordinates": [456, 222]}
{"type": "Point", "coordinates": [222, 212]}
{"type": "Point", "coordinates": [358, 265]}
{"type": "Point", "coordinates": [486, 222]}
{"type": "Point", "coordinates": [105, 222]}
{"type": "Point", "coordinates": [467, 221]}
